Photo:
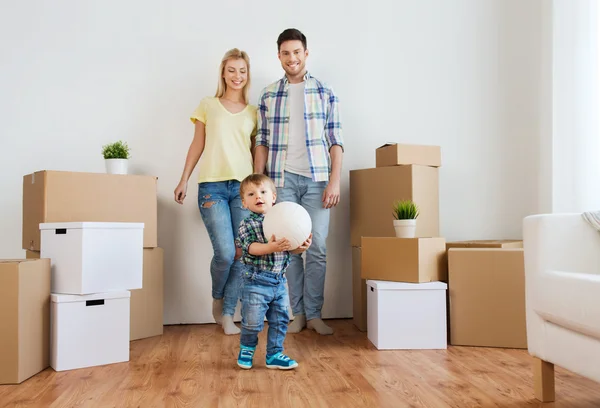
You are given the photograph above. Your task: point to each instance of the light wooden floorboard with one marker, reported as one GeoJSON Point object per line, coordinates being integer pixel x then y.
{"type": "Point", "coordinates": [195, 366]}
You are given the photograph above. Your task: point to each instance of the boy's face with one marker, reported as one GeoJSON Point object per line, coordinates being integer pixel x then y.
{"type": "Point", "coordinates": [258, 198]}
{"type": "Point", "coordinates": [293, 57]}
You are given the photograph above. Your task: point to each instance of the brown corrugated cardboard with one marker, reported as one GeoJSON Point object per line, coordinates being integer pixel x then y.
{"type": "Point", "coordinates": [393, 154]}
{"type": "Point", "coordinates": [359, 292]}
{"type": "Point", "coordinates": [413, 260]}
{"type": "Point", "coordinates": [24, 319]}
{"type": "Point", "coordinates": [487, 297]}
{"type": "Point", "coordinates": [374, 191]}
{"type": "Point", "coordinates": [147, 303]}
{"type": "Point", "coordinates": [62, 196]}
{"type": "Point", "coordinates": [486, 243]}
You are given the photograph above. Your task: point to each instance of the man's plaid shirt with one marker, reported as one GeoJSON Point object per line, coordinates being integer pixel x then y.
{"type": "Point", "coordinates": [323, 126]}
{"type": "Point", "coordinates": [250, 231]}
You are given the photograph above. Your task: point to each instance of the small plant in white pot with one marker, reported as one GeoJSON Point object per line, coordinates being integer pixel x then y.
{"type": "Point", "coordinates": [405, 218]}
{"type": "Point", "coordinates": [116, 156]}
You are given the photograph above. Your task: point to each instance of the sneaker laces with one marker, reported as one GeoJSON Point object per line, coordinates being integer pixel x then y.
{"type": "Point", "coordinates": [282, 356]}
{"type": "Point", "coordinates": [248, 353]}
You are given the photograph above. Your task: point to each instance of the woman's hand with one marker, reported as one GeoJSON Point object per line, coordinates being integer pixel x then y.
{"type": "Point", "coordinates": [180, 191]}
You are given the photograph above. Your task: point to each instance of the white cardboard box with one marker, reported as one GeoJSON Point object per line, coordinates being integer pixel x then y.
{"type": "Point", "coordinates": [407, 315]}
{"type": "Point", "coordinates": [89, 330]}
{"type": "Point", "coordinates": [94, 257]}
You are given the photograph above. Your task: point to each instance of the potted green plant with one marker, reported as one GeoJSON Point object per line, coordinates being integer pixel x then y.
{"type": "Point", "coordinates": [405, 218]}
{"type": "Point", "coordinates": [116, 156]}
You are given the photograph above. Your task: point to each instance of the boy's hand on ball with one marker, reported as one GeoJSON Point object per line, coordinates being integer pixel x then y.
{"type": "Point", "coordinates": [279, 245]}
{"type": "Point", "coordinates": [304, 246]}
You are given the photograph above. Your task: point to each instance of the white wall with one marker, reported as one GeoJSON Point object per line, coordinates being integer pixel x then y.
{"type": "Point", "coordinates": [462, 74]}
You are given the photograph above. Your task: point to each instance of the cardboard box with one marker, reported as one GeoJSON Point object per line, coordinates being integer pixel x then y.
{"type": "Point", "coordinates": [374, 191]}
{"type": "Point", "coordinates": [413, 260]}
{"type": "Point", "coordinates": [359, 292]}
{"type": "Point", "coordinates": [89, 330]}
{"type": "Point", "coordinates": [24, 319]}
{"type": "Point", "coordinates": [147, 303]}
{"type": "Point", "coordinates": [407, 315]}
{"type": "Point", "coordinates": [393, 154]}
{"type": "Point", "coordinates": [486, 243]}
{"type": "Point", "coordinates": [62, 196]}
{"type": "Point", "coordinates": [487, 297]}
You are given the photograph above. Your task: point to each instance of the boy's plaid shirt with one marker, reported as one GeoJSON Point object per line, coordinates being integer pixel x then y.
{"type": "Point", "coordinates": [323, 126]}
{"type": "Point", "coordinates": [250, 231]}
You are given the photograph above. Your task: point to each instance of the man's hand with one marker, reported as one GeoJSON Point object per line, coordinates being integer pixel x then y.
{"type": "Point", "coordinates": [304, 246]}
{"type": "Point", "coordinates": [331, 195]}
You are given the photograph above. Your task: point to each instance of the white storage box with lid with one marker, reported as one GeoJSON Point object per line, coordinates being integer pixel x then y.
{"type": "Point", "coordinates": [94, 257]}
{"type": "Point", "coordinates": [89, 330]}
{"type": "Point", "coordinates": [407, 315]}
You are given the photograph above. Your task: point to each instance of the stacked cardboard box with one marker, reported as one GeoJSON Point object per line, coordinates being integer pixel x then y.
{"type": "Point", "coordinates": [62, 196]}
{"type": "Point", "coordinates": [402, 172]}
{"type": "Point", "coordinates": [487, 293]}
{"type": "Point", "coordinates": [24, 319]}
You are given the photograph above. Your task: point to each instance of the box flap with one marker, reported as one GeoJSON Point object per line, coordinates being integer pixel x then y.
{"type": "Point", "coordinates": [64, 298]}
{"type": "Point", "coordinates": [91, 225]}
{"type": "Point", "coordinates": [16, 260]}
{"type": "Point", "coordinates": [387, 285]}
{"type": "Point", "coordinates": [387, 145]}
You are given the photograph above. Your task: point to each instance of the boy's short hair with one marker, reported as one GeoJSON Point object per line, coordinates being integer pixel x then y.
{"type": "Point", "coordinates": [256, 179]}
{"type": "Point", "coordinates": [289, 35]}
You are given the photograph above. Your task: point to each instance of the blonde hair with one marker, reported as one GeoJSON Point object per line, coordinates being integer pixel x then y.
{"type": "Point", "coordinates": [256, 179]}
{"type": "Point", "coordinates": [234, 53]}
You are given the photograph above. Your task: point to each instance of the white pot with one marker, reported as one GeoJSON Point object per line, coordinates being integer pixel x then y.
{"type": "Point", "coordinates": [116, 166]}
{"type": "Point", "coordinates": [405, 228]}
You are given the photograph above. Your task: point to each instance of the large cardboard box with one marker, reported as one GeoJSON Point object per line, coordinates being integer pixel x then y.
{"type": "Point", "coordinates": [487, 297]}
{"type": "Point", "coordinates": [63, 196]}
{"type": "Point", "coordinates": [147, 304]}
{"type": "Point", "coordinates": [359, 292]}
{"type": "Point", "coordinates": [486, 243]}
{"type": "Point", "coordinates": [413, 260]}
{"type": "Point", "coordinates": [393, 154]}
{"type": "Point", "coordinates": [374, 191]}
{"type": "Point", "coordinates": [24, 319]}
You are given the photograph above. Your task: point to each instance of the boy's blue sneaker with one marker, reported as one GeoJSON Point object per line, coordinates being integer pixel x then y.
{"type": "Point", "coordinates": [281, 362]}
{"type": "Point", "coordinates": [245, 357]}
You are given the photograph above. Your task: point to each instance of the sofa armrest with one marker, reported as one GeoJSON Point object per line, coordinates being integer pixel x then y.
{"type": "Point", "coordinates": [560, 242]}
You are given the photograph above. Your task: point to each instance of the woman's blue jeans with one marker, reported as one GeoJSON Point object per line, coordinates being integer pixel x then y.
{"type": "Point", "coordinates": [221, 210]}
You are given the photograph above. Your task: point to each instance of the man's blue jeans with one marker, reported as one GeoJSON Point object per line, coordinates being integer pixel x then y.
{"type": "Point", "coordinates": [221, 210]}
{"type": "Point", "coordinates": [307, 284]}
{"type": "Point", "coordinates": [264, 294]}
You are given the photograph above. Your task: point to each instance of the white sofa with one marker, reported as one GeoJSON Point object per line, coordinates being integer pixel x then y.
{"type": "Point", "coordinates": [562, 281]}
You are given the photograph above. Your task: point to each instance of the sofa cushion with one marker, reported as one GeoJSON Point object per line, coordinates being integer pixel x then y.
{"type": "Point", "coordinates": [568, 299]}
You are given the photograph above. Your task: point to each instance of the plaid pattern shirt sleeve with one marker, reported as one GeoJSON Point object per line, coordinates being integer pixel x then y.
{"type": "Point", "coordinates": [323, 126]}
{"type": "Point", "coordinates": [251, 231]}
{"type": "Point", "coordinates": [262, 125]}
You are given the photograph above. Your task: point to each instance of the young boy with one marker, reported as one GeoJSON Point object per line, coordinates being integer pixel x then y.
{"type": "Point", "coordinates": [264, 291]}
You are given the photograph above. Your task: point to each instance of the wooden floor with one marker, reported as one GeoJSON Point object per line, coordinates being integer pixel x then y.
{"type": "Point", "coordinates": [194, 366]}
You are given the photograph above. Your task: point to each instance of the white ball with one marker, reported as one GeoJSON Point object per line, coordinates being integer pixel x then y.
{"type": "Point", "coordinates": [289, 220]}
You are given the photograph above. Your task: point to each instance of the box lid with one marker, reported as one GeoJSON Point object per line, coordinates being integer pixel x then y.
{"type": "Point", "coordinates": [91, 225]}
{"type": "Point", "coordinates": [388, 285]}
{"type": "Point", "coordinates": [64, 298]}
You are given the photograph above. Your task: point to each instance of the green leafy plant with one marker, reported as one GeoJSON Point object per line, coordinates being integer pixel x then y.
{"type": "Point", "coordinates": [117, 150]}
{"type": "Point", "coordinates": [405, 210]}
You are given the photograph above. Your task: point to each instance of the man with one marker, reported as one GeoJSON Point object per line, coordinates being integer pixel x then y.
{"type": "Point", "coordinates": [299, 145]}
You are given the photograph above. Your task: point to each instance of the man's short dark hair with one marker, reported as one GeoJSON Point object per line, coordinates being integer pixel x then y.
{"type": "Point", "coordinates": [291, 34]}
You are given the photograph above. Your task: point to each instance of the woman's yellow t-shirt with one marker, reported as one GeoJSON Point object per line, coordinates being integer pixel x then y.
{"type": "Point", "coordinates": [226, 154]}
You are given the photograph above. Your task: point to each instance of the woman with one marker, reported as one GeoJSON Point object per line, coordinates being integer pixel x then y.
{"type": "Point", "coordinates": [225, 127]}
